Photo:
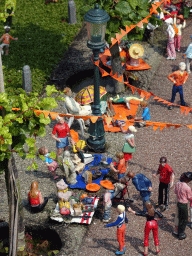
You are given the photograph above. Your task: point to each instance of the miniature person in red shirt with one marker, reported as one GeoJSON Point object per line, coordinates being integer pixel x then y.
{"type": "Point", "coordinates": [166, 179]}
{"type": "Point", "coordinates": [36, 201]}
{"type": "Point", "coordinates": [179, 78]}
{"type": "Point", "coordinates": [6, 40]}
{"type": "Point", "coordinates": [63, 132]}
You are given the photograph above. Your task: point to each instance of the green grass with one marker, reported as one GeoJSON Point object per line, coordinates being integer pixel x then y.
{"type": "Point", "coordinates": [42, 41]}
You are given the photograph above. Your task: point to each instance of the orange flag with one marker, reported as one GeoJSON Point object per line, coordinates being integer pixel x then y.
{"type": "Point", "coordinates": [108, 120]}
{"type": "Point", "coordinates": [127, 29]}
{"type": "Point", "coordinates": [123, 32]}
{"type": "Point", "coordinates": [145, 20]}
{"type": "Point", "coordinates": [187, 110]}
{"type": "Point", "coordinates": [162, 126]}
{"type": "Point", "coordinates": [53, 115]}
{"type": "Point", "coordinates": [94, 119]}
{"type": "Point", "coordinates": [182, 109]}
{"type": "Point", "coordinates": [177, 126]}
{"type": "Point", "coordinates": [103, 72]}
{"type": "Point", "coordinates": [118, 37]}
{"type": "Point", "coordinates": [140, 24]}
{"type": "Point", "coordinates": [155, 126]}
{"type": "Point", "coordinates": [189, 126]}
{"type": "Point", "coordinates": [169, 125]}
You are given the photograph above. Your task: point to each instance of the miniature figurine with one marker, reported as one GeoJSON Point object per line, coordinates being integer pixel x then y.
{"type": "Point", "coordinates": [121, 169]}
{"type": "Point", "coordinates": [63, 132]}
{"type": "Point", "coordinates": [143, 185]}
{"type": "Point", "coordinates": [69, 168]}
{"type": "Point", "coordinates": [152, 216]}
{"type": "Point", "coordinates": [51, 164]}
{"type": "Point", "coordinates": [178, 78]}
{"type": "Point", "coordinates": [107, 203]}
{"type": "Point", "coordinates": [145, 116]}
{"type": "Point", "coordinates": [129, 146]}
{"type": "Point", "coordinates": [36, 201]}
{"type": "Point", "coordinates": [6, 40]}
{"type": "Point", "coordinates": [166, 178]}
{"type": "Point", "coordinates": [184, 194]}
{"type": "Point", "coordinates": [170, 43]}
{"type": "Point", "coordinates": [74, 108]}
{"type": "Point", "coordinates": [179, 23]}
{"type": "Point", "coordinates": [120, 223]}
{"type": "Point", "coordinates": [188, 56]}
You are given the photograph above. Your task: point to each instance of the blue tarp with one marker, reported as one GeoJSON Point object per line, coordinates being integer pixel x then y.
{"type": "Point", "coordinates": [80, 180]}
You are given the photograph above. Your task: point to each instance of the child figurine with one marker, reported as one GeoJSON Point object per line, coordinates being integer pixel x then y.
{"type": "Point", "coordinates": [120, 223]}
{"type": "Point", "coordinates": [6, 40]}
{"type": "Point", "coordinates": [188, 56]}
{"type": "Point", "coordinates": [179, 23]}
{"type": "Point", "coordinates": [121, 169]}
{"type": "Point", "coordinates": [170, 43]}
{"type": "Point", "coordinates": [107, 203]}
{"type": "Point", "coordinates": [166, 178]}
{"type": "Point", "coordinates": [51, 164]}
{"type": "Point", "coordinates": [145, 116]}
{"type": "Point", "coordinates": [63, 132]}
{"type": "Point", "coordinates": [178, 78]}
{"type": "Point", "coordinates": [152, 216]}
{"type": "Point", "coordinates": [36, 201]}
{"type": "Point", "coordinates": [129, 146]}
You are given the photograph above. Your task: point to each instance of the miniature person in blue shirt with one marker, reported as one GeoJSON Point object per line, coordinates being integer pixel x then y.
{"type": "Point", "coordinates": [120, 223]}
{"type": "Point", "coordinates": [188, 57]}
{"type": "Point", "coordinates": [143, 185]}
{"type": "Point", "coordinates": [145, 116]}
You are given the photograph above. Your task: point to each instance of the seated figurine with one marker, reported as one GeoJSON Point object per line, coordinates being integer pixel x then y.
{"type": "Point", "coordinates": [69, 168]}
{"type": "Point", "coordinates": [36, 201]}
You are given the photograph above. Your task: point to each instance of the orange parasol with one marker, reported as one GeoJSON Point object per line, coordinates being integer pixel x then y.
{"type": "Point", "coordinates": [86, 95]}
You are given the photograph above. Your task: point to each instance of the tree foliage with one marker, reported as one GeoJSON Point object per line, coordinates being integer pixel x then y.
{"type": "Point", "coordinates": [5, 6]}
{"type": "Point", "coordinates": [21, 127]}
{"type": "Point", "coordinates": [123, 13]}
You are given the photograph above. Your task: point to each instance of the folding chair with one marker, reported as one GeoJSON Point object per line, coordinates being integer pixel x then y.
{"type": "Point", "coordinates": [121, 196]}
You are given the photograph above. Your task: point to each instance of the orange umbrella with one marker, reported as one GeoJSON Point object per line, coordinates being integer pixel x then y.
{"type": "Point", "coordinates": [86, 95]}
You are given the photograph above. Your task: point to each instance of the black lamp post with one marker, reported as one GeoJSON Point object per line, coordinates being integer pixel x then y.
{"type": "Point", "coordinates": [96, 27]}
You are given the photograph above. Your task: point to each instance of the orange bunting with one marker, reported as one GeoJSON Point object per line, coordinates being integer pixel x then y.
{"type": "Point", "coordinates": [177, 126]}
{"type": "Point", "coordinates": [113, 40]}
{"type": "Point", "coordinates": [97, 63]}
{"type": "Point", "coordinates": [108, 120]}
{"type": "Point", "coordinates": [182, 109]}
{"type": "Point", "coordinates": [127, 29]}
{"type": "Point", "coordinates": [189, 126]}
{"type": "Point", "coordinates": [103, 72]}
{"type": "Point", "coordinates": [162, 126]}
{"type": "Point", "coordinates": [187, 110]}
{"type": "Point", "coordinates": [107, 52]}
{"type": "Point", "coordinates": [168, 125]}
{"type": "Point", "coordinates": [140, 24]}
{"type": "Point", "coordinates": [155, 127]}
{"type": "Point", "coordinates": [123, 32]}
{"type": "Point", "coordinates": [94, 119]}
{"type": "Point", "coordinates": [145, 20]}
{"type": "Point", "coordinates": [118, 37]}
{"type": "Point", "coordinates": [53, 115]}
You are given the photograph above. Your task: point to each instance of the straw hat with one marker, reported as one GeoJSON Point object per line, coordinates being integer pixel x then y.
{"type": "Point", "coordinates": [107, 184]}
{"type": "Point", "coordinates": [92, 187]}
{"type": "Point", "coordinates": [132, 128]}
{"type": "Point", "coordinates": [180, 17]}
{"type": "Point", "coordinates": [136, 51]}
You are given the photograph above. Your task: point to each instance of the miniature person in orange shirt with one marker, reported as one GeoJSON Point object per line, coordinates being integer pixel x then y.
{"type": "Point", "coordinates": [6, 40]}
{"type": "Point", "coordinates": [178, 78]}
{"type": "Point", "coordinates": [121, 169]}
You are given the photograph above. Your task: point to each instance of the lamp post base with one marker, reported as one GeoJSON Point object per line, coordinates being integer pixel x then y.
{"type": "Point", "coordinates": [96, 140]}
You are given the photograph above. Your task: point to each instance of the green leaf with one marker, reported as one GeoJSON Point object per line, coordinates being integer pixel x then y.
{"type": "Point", "coordinates": [60, 98]}
{"type": "Point", "coordinates": [48, 103]}
{"type": "Point", "coordinates": [132, 16]}
{"type": "Point", "coordinates": [42, 157]}
{"type": "Point", "coordinates": [114, 25]}
{"type": "Point", "coordinates": [123, 8]}
{"type": "Point", "coordinates": [44, 120]}
{"type": "Point", "coordinates": [18, 147]}
{"type": "Point", "coordinates": [41, 132]}
{"type": "Point", "coordinates": [50, 89]}
{"type": "Point", "coordinates": [34, 166]}
{"type": "Point", "coordinates": [55, 252]}
{"type": "Point", "coordinates": [133, 3]}
{"type": "Point", "coordinates": [28, 168]}
{"type": "Point", "coordinates": [19, 120]}
{"type": "Point", "coordinates": [126, 22]}
{"type": "Point", "coordinates": [143, 13]}
{"type": "Point", "coordinates": [21, 249]}
{"type": "Point", "coordinates": [30, 155]}
{"type": "Point", "coordinates": [2, 156]}
{"type": "Point", "coordinates": [52, 155]}
{"type": "Point", "coordinates": [30, 142]}
{"type": "Point", "coordinates": [9, 117]}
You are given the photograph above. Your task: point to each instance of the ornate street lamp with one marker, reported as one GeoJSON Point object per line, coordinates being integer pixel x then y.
{"type": "Point", "coordinates": [96, 27]}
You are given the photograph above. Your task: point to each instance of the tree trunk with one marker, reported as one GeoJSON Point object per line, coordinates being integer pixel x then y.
{"type": "Point", "coordinates": [16, 224]}
{"type": "Point", "coordinates": [117, 68]}
{"type": "Point", "coordinates": [2, 88]}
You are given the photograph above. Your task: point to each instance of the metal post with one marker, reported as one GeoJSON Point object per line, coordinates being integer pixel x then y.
{"type": "Point", "coordinates": [72, 12]}
{"type": "Point", "coordinates": [96, 141]}
{"type": "Point", "coordinates": [27, 79]}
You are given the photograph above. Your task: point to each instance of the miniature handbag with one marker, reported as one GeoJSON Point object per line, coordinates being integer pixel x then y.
{"type": "Point", "coordinates": [127, 148]}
